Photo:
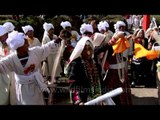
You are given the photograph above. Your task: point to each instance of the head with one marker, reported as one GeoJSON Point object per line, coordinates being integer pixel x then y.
{"type": "Point", "coordinates": [28, 30]}
{"type": "Point", "coordinates": [9, 26]}
{"type": "Point", "coordinates": [3, 34]}
{"type": "Point", "coordinates": [17, 41]}
{"type": "Point", "coordinates": [119, 26]}
{"type": "Point", "coordinates": [49, 28]}
{"type": "Point", "coordinates": [65, 34]}
{"type": "Point", "coordinates": [86, 29]}
{"type": "Point", "coordinates": [82, 46]}
{"type": "Point", "coordinates": [66, 25]}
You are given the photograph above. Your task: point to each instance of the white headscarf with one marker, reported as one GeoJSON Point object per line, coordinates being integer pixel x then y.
{"type": "Point", "coordinates": [15, 40]}
{"type": "Point", "coordinates": [47, 26]}
{"type": "Point", "coordinates": [27, 28]}
{"type": "Point", "coordinates": [79, 48]}
{"type": "Point", "coordinates": [3, 30]}
{"type": "Point", "coordinates": [98, 39]}
{"type": "Point", "coordinates": [9, 26]}
{"type": "Point", "coordinates": [86, 27]}
{"type": "Point", "coordinates": [77, 51]}
{"type": "Point", "coordinates": [65, 24]}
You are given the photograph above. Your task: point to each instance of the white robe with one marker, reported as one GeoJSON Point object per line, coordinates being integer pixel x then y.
{"type": "Point", "coordinates": [47, 67]}
{"type": "Point", "coordinates": [7, 85]}
{"type": "Point", "coordinates": [28, 93]}
{"type": "Point", "coordinates": [36, 42]}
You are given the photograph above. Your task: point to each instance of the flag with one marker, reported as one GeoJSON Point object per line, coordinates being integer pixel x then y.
{"type": "Point", "coordinates": [146, 22]}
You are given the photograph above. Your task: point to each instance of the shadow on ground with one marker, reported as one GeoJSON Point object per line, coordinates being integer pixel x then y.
{"type": "Point", "coordinates": [144, 100]}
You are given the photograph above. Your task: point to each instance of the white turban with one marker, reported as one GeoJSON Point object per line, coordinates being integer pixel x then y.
{"type": "Point", "coordinates": [86, 28]}
{"type": "Point", "coordinates": [118, 24]}
{"type": "Point", "coordinates": [98, 39]}
{"type": "Point", "coordinates": [27, 28]}
{"type": "Point", "coordinates": [47, 26]}
{"type": "Point", "coordinates": [105, 23]}
{"type": "Point", "coordinates": [15, 40]}
{"type": "Point", "coordinates": [9, 26]}
{"type": "Point", "coordinates": [65, 24]}
{"type": "Point", "coordinates": [101, 26]}
{"type": "Point", "coordinates": [3, 30]}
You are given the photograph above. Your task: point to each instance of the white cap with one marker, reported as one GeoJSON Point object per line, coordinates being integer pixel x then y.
{"type": "Point", "coordinates": [47, 26]}
{"type": "Point", "coordinates": [9, 26]}
{"type": "Point", "coordinates": [3, 30]}
{"type": "Point", "coordinates": [86, 27]}
{"type": "Point", "coordinates": [65, 24]}
{"type": "Point", "coordinates": [15, 40]}
{"type": "Point", "coordinates": [118, 24]}
{"type": "Point", "coordinates": [27, 28]}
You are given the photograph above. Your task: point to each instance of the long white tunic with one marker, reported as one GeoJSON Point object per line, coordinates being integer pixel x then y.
{"type": "Point", "coordinates": [7, 84]}
{"type": "Point", "coordinates": [47, 67]}
{"type": "Point", "coordinates": [27, 93]}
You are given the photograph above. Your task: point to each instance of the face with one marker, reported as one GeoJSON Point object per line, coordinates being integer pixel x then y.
{"type": "Point", "coordinates": [68, 28]}
{"type": "Point", "coordinates": [30, 34]}
{"type": "Point", "coordinates": [23, 50]}
{"type": "Point", "coordinates": [51, 31]}
{"type": "Point", "coordinates": [122, 28]}
{"type": "Point", "coordinates": [3, 38]}
{"type": "Point", "coordinates": [87, 51]}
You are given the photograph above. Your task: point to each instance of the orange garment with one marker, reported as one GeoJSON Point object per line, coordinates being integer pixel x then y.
{"type": "Point", "coordinates": [121, 45]}
{"type": "Point", "coordinates": [140, 51]}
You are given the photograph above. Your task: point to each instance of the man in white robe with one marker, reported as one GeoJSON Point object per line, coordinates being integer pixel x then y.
{"type": "Point", "coordinates": [49, 61]}
{"type": "Point", "coordinates": [25, 63]}
{"type": "Point", "coordinates": [12, 93]}
{"type": "Point", "coordinates": [5, 81]}
{"type": "Point", "coordinates": [29, 32]}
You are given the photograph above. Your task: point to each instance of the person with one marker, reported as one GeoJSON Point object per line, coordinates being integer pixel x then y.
{"type": "Point", "coordinates": [103, 27]}
{"type": "Point", "coordinates": [29, 32]}
{"type": "Point", "coordinates": [25, 63]}
{"type": "Point", "coordinates": [140, 66]}
{"type": "Point", "coordinates": [82, 70]}
{"type": "Point", "coordinates": [116, 74]}
{"type": "Point", "coordinates": [49, 61]}
{"type": "Point", "coordinates": [75, 35]}
{"type": "Point", "coordinates": [4, 78]}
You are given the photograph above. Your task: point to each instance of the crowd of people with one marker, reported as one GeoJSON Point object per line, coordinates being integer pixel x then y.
{"type": "Point", "coordinates": [95, 60]}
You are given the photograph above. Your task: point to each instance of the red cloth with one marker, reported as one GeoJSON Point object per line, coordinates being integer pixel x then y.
{"type": "Point", "coordinates": [146, 22]}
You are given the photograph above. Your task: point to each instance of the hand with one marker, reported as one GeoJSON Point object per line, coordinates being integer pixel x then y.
{"type": "Point", "coordinates": [58, 40]}
{"type": "Point", "coordinates": [119, 35]}
{"type": "Point", "coordinates": [128, 37]}
{"type": "Point", "coordinates": [81, 103]}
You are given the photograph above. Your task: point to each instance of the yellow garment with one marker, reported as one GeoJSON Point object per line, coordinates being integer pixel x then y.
{"type": "Point", "coordinates": [121, 45]}
{"type": "Point", "coordinates": [140, 51]}
{"type": "Point", "coordinates": [30, 40]}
